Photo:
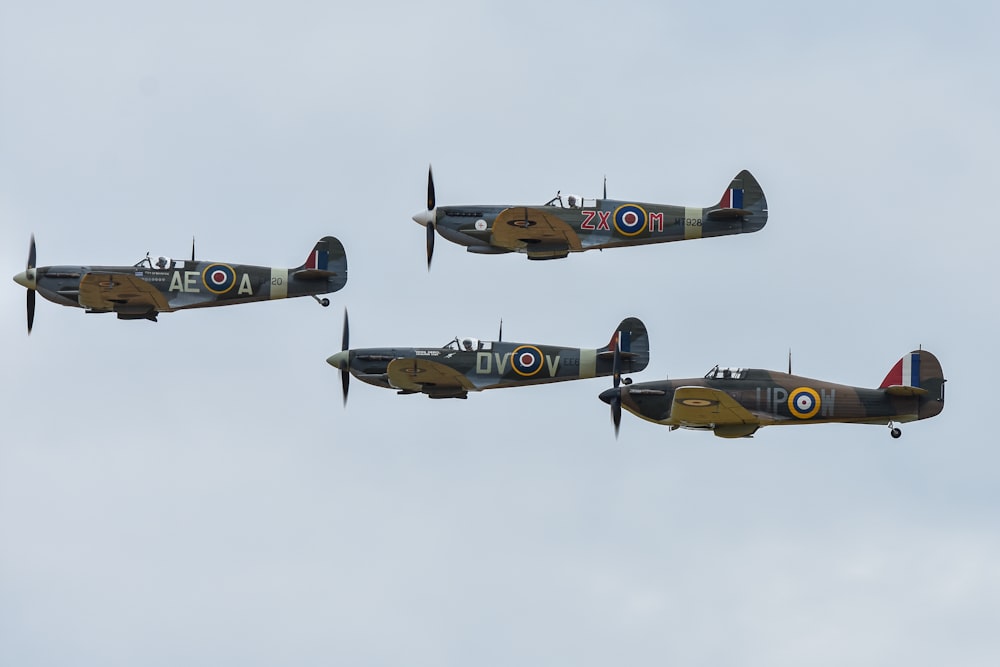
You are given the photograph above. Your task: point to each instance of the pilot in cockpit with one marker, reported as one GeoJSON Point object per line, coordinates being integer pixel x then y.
{"type": "Point", "coordinates": [470, 344]}
{"type": "Point", "coordinates": [162, 263]}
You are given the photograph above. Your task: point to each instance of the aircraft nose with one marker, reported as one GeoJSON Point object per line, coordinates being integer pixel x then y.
{"type": "Point", "coordinates": [424, 217]}
{"type": "Point", "coordinates": [608, 394]}
{"type": "Point", "coordinates": [339, 360]}
{"type": "Point", "coordinates": [26, 279]}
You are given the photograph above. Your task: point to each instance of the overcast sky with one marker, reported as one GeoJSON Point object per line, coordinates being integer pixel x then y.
{"type": "Point", "coordinates": [193, 492]}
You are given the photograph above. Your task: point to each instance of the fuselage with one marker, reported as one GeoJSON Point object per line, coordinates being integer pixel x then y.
{"type": "Point", "coordinates": [489, 365]}
{"type": "Point", "coordinates": [599, 223]}
{"type": "Point", "coordinates": [779, 399]}
{"type": "Point", "coordinates": [185, 284]}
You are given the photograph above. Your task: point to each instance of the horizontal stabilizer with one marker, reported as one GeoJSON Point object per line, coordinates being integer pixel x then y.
{"type": "Point", "coordinates": [610, 354]}
{"type": "Point", "coordinates": [728, 213]}
{"type": "Point", "coordinates": [902, 390]}
{"type": "Point", "coordinates": [313, 274]}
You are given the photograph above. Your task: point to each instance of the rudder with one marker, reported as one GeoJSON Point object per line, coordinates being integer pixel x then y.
{"type": "Point", "coordinates": [634, 340]}
{"type": "Point", "coordinates": [743, 199]}
{"type": "Point", "coordinates": [921, 370]}
{"type": "Point", "coordinates": [327, 260]}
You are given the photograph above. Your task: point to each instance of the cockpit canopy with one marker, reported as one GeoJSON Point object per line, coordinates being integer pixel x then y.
{"type": "Point", "coordinates": [467, 344]}
{"type": "Point", "coordinates": [726, 373]}
{"type": "Point", "coordinates": [161, 263]}
{"type": "Point", "coordinates": [571, 201]}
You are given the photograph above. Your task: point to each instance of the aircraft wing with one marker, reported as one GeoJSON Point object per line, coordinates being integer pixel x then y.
{"type": "Point", "coordinates": [429, 377]}
{"type": "Point", "coordinates": [108, 291]}
{"type": "Point", "coordinates": [524, 227]}
{"type": "Point", "coordinates": [705, 406]}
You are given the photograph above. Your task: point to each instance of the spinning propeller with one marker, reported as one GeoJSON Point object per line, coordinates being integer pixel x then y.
{"type": "Point", "coordinates": [28, 279]}
{"type": "Point", "coordinates": [616, 374]}
{"type": "Point", "coordinates": [428, 218]}
{"type": "Point", "coordinates": [613, 396]}
{"type": "Point", "coordinates": [342, 359]}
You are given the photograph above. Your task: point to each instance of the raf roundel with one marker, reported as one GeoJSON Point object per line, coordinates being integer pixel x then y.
{"type": "Point", "coordinates": [803, 402]}
{"type": "Point", "coordinates": [697, 402]}
{"type": "Point", "coordinates": [219, 278]}
{"type": "Point", "coordinates": [630, 219]}
{"type": "Point", "coordinates": [526, 360]}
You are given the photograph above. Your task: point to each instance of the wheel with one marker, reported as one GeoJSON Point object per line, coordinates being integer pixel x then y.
{"type": "Point", "coordinates": [895, 433]}
{"type": "Point", "coordinates": [324, 302]}
{"type": "Point", "coordinates": [626, 381]}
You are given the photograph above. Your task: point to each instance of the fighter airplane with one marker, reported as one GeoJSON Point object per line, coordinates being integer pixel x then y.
{"type": "Point", "coordinates": [735, 402]}
{"type": "Point", "coordinates": [567, 223]}
{"type": "Point", "coordinates": [147, 288]}
{"type": "Point", "coordinates": [469, 364]}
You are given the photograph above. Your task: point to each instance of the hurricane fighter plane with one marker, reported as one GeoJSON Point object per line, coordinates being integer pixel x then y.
{"type": "Point", "coordinates": [150, 287]}
{"type": "Point", "coordinates": [735, 402]}
{"type": "Point", "coordinates": [568, 223]}
{"type": "Point", "coordinates": [469, 364]}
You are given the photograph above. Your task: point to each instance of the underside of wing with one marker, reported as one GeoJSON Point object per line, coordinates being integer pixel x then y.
{"type": "Point", "coordinates": [535, 230]}
{"type": "Point", "coordinates": [430, 377]}
{"type": "Point", "coordinates": [704, 406]}
{"type": "Point", "coordinates": [120, 293]}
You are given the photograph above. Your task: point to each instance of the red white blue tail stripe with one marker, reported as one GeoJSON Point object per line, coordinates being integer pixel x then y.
{"type": "Point", "coordinates": [905, 373]}
{"type": "Point", "coordinates": [733, 198]}
{"type": "Point", "coordinates": [318, 259]}
{"type": "Point", "coordinates": [625, 341]}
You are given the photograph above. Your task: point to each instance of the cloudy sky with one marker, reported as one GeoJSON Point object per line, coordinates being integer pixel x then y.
{"type": "Point", "coordinates": [193, 491]}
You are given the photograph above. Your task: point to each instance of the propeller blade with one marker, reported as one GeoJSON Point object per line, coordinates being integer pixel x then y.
{"type": "Point", "coordinates": [431, 200]}
{"type": "Point", "coordinates": [616, 366]}
{"type": "Point", "coordinates": [430, 244]}
{"type": "Point", "coordinates": [613, 397]}
{"type": "Point", "coordinates": [31, 309]}
{"type": "Point", "coordinates": [345, 340]}
{"type": "Point", "coordinates": [616, 413]}
{"type": "Point", "coordinates": [345, 383]}
{"type": "Point", "coordinates": [29, 269]}
{"type": "Point", "coordinates": [345, 370]}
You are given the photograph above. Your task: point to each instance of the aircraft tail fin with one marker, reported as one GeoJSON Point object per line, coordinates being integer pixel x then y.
{"type": "Point", "coordinates": [919, 374]}
{"type": "Point", "coordinates": [327, 261]}
{"type": "Point", "coordinates": [743, 200]}
{"type": "Point", "coordinates": [633, 338]}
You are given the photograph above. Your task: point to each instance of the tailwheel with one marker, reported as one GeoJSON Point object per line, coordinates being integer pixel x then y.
{"type": "Point", "coordinates": [323, 302]}
{"type": "Point", "coordinates": [894, 430]}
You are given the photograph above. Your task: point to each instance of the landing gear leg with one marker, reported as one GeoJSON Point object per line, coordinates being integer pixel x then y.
{"type": "Point", "coordinates": [894, 430]}
{"type": "Point", "coordinates": [323, 302]}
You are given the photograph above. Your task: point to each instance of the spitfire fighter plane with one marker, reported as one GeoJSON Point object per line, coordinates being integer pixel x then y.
{"type": "Point", "coordinates": [469, 364]}
{"type": "Point", "coordinates": [567, 223]}
{"type": "Point", "coordinates": [149, 287]}
{"type": "Point", "coordinates": [735, 402]}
